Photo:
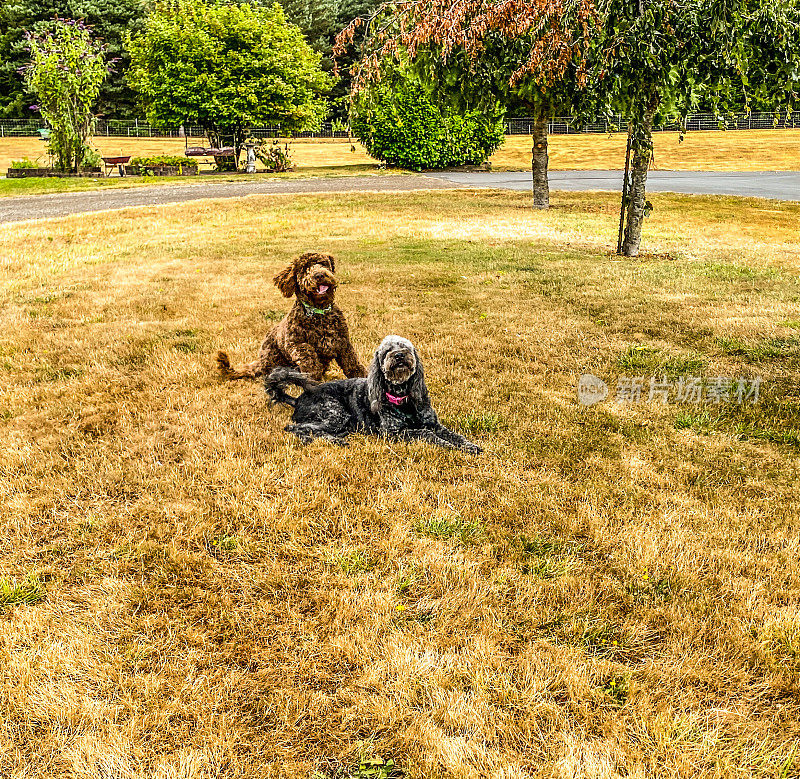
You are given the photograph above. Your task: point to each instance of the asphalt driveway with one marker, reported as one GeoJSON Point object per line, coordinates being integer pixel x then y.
{"type": "Point", "coordinates": [777, 185]}
{"type": "Point", "coordinates": [18, 209]}
{"type": "Point", "coordinates": [781, 185]}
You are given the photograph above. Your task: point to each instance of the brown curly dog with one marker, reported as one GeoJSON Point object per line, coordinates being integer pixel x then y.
{"type": "Point", "coordinates": [312, 334]}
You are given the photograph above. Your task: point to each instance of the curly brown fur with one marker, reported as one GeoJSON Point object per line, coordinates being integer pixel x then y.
{"type": "Point", "coordinates": [303, 339]}
{"type": "Point", "coordinates": [392, 401]}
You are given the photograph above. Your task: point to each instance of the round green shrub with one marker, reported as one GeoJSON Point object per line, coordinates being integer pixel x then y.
{"type": "Point", "coordinates": [399, 124]}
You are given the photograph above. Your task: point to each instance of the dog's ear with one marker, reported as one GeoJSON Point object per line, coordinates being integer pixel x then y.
{"type": "Point", "coordinates": [286, 280]}
{"type": "Point", "coordinates": [418, 389]}
{"type": "Point", "coordinates": [331, 261]}
{"type": "Point", "coordinates": [375, 382]}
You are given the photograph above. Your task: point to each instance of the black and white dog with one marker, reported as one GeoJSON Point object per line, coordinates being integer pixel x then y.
{"type": "Point", "coordinates": [392, 401]}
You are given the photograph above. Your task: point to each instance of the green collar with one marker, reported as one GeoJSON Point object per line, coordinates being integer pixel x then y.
{"type": "Point", "coordinates": [310, 310]}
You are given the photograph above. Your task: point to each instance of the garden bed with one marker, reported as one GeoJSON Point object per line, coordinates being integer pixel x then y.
{"type": "Point", "coordinates": [24, 173]}
{"type": "Point", "coordinates": [186, 169]}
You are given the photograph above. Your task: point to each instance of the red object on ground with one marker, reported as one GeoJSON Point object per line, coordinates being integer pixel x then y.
{"type": "Point", "coordinates": [120, 162]}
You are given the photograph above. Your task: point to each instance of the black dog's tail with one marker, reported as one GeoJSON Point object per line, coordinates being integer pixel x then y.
{"type": "Point", "coordinates": [275, 384]}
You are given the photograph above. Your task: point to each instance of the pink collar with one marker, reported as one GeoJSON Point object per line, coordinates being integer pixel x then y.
{"type": "Point", "coordinates": [396, 400]}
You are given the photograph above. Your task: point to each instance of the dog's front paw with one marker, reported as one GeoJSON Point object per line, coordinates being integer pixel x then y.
{"type": "Point", "coordinates": [471, 448]}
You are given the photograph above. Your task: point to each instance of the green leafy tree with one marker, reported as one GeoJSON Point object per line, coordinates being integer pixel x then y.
{"type": "Point", "coordinates": [771, 40]}
{"type": "Point", "coordinates": [316, 20]}
{"type": "Point", "coordinates": [484, 54]}
{"type": "Point", "coordinates": [658, 59]}
{"type": "Point", "coordinates": [226, 68]}
{"type": "Point", "coordinates": [498, 81]}
{"type": "Point", "coordinates": [66, 70]}
{"type": "Point", "coordinates": [399, 123]}
{"type": "Point", "coordinates": [111, 20]}
{"type": "Point", "coordinates": [320, 21]}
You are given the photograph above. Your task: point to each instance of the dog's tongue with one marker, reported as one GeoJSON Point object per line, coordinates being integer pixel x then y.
{"type": "Point", "coordinates": [322, 289]}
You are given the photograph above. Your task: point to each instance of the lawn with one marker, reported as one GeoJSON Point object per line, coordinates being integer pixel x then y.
{"type": "Point", "coordinates": [608, 591]}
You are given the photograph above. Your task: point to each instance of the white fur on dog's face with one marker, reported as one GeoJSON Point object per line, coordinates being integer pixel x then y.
{"type": "Point", "coordinates": [398, 359]}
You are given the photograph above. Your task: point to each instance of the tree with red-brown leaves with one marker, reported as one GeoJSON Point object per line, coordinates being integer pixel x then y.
{"type": "Point", "coordinates": [484, 53]}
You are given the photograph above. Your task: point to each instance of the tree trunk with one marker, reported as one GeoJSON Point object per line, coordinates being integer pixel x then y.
{"type": "Point", "coordinates": [238, 142]}
{"type": "Point", "coordinates": [541, 190]}
{"type": "Point", "coordinates": [637, 200]}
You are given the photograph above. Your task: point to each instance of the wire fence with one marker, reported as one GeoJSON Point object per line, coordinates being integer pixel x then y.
{"type": "Point", "coordinates": [700, 121]}
{"type": "Point", "coordinates": [136, 128]}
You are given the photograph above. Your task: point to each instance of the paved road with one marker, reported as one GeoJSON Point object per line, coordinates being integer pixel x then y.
{"type": "Point", "coordinates": [17, 209]}
{"type": "Point", "coordinates": [780, 185]}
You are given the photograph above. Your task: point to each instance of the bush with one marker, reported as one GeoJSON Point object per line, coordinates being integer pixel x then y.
{"type": "Point", "coordinates": [92, 158]}
{"type": "Point", "coordinates": [273, 155]}
{"type": "Point", "coordinates": [162, 160]}
{"type": "Point", "coordinates": [24, 163]}
{"type": "Point", "coordinates": [399, 124]}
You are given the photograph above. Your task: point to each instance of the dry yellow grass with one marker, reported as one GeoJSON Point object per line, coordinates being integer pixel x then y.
{"type": "Point", "coordinates": [606, 592]}
{"type": "Point", "coordinates": [733, 150]}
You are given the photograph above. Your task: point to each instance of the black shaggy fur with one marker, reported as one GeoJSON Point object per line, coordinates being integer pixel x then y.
{"type": "Point", "coordinates": [335, 409]}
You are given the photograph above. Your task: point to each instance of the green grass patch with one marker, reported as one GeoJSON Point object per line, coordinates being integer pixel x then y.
{"type": "Point", "coordinates": [49, 297]}
{"type": "Point", "coordinates": [782, 640]}
{"type": "Point", "coordinates": [645, 360]}
{"type": "Point", "coordinates": [13, 592]}
{"type": "Point", "coordinates": [372, 767]}
{"type": "Point", "coordinates": [52, 373]}
{"type": "Point", "coordinates": [599, 638]}
{"type": "Point", "coordinates": [224, 545]}
{"type": "Point", "coordinates": [450, 527]}
{"type": "Point", "coordinates": [407, 577]}
{"type": "Point", "coordinates": [352, 562]}
{"type": "Point", "coordinates": [186, 341]}
{"type": "Point", "coordinates": [763, 349]}
{"type": "Point", "coordinates": [772, 421]}
{"type": "Point", "coordinates": [701, 422]}
{"type": "Point", "coordinates": [617, 688]}
{"type": "Point", "coordinates": [725, 271]}
{"type": "Point", "coordinates": [544, 558]}
{"type": "Point", "coordinates": [479, 422]}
